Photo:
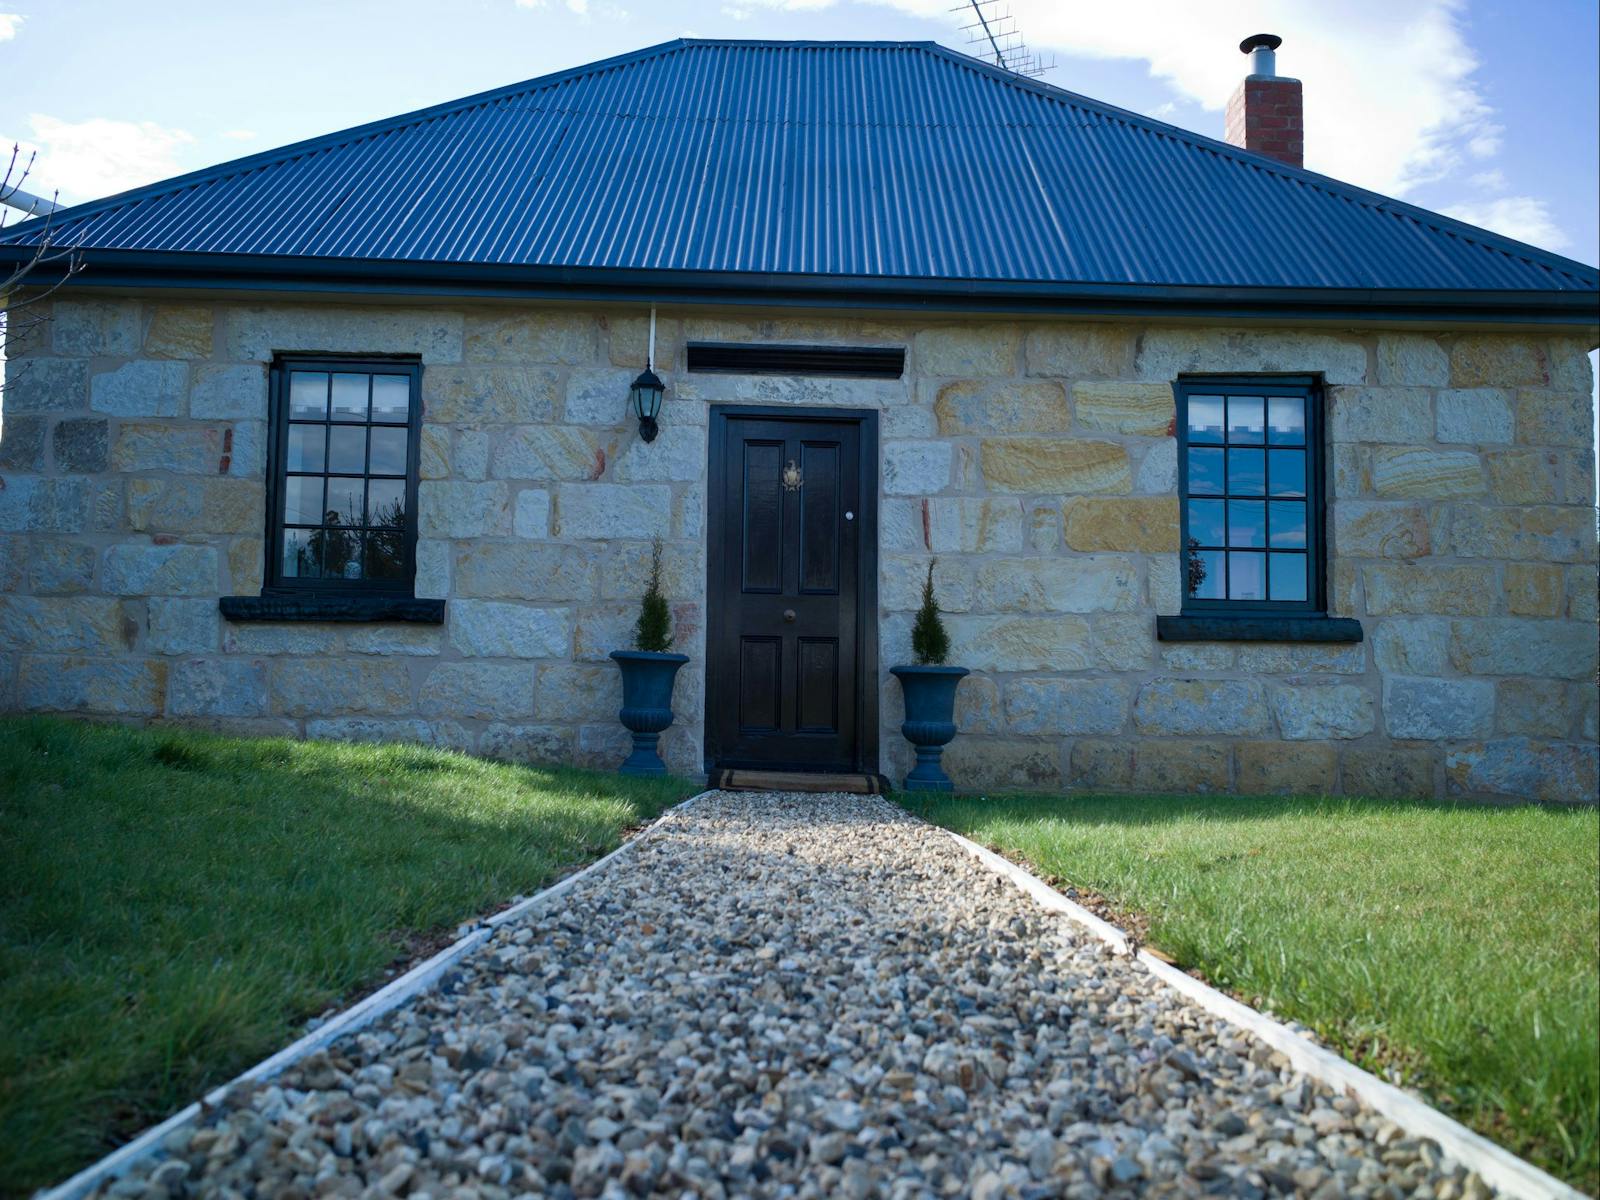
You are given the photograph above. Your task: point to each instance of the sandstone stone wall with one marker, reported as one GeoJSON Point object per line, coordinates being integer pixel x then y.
{"type": "Point", "coordinates": [1034, 459]}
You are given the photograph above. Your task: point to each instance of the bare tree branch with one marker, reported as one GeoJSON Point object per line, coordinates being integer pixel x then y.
{"type": "Point", "coordinates": [17, 327]}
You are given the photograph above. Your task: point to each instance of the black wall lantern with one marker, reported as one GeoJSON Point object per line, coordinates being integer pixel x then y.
{"type": "Point", "coordinates": [644, 397]}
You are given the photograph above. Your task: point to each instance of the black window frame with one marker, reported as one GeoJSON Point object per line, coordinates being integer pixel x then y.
{"type": "Point", "coordinates": [1310, 388]}
{"type": "Point", "coordinates": [275, 583]}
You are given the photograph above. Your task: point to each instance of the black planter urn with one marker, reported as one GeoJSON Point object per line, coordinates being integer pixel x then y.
{"type": "Point", "coordinates": [647, 679]}
{"type": "Point", "coordinates": [930, 722]}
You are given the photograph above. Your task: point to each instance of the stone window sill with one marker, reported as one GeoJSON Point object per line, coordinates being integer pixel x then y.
{"type": "Point", "coordinates": [1258, 629]}
{"type": "Point", "coordinates": [311, 607]}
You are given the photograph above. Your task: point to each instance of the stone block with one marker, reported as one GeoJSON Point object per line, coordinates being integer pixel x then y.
{"type": "Point", "coordinates": [417, 641]}
{"type": "Point", "coordinates": [1412, 360]}
{"type": "Point", "coordinates": [95, 327]}
{"type": "Point", "coordinates": [1391, 416]}
{"type": "Point", "coordinates": [196, 505]}
{"type": "Point", "coordinates": [22, 443]}
{"type": "Point", "coordinates": [257, 332]}
{"type": "Point", "coordinates": [578, 692]}
{"type": "Point", "coordinates": [342, 687]}
{"type": "Point", "coordinates": [293, 638]}
{"type": "Point", "coordinates": [1075, 584]}
{"type": "Point", "coordinates": [966, 351]}
{"type": "Point", "coordinates": [179, 448]}
{"type": "Point", "coordinates": [1001, 765]}
{"type": "Point", "coordinates": [1321, 712]}
{"type": "Point", "coordinates": [1197, 656]}
{"type": "Point", "coordinates": [1535, 589]}
{"type": "Point", "coordinates": [439, 735]}
{"type": "Point", "coordinates": [1568, 361]}
{"type": "Point", "coordinates": [1430, 590]}
{"type": "Point", "coordinates": [1124, 641]}
{"type": "Point", "coordinates": [80, 445]}
{"type": "Point", "coordinates": [1002, 643]}
{"type": "Point", "coordinates": [978, 708]}
{"type": "Point", "coordinates": [1514, 646]}
{"type": "Point", "coordinates": [470, 455]}
{"type": "Point", "coordinates": [625, 569]}
{"type": "Point", "coordinates": [1192, 707]}
{"type": "Point", "coordinates": [492, 629]}
{"type": "Point", "coordinates": [1140, 408]}
{"type": "Point", "coordinates": [960, 526]}
{"type": "Point", "coordinates": [1273, 769]}
{"type": "Point", "coordinates": [182, 625]}
{"type": "Point", "coordinates": [678, 454]}
{"type": "Point", "coordinates": [46, 385]}
{"type": "Point", "coordinates": [548, 452]}
{"type": "Point", "coordinates": [1475, 416]}
{"type": "Point", "coordinates": [1001, 406]}
{"type": "Point", "coordinates": [1578, 476]}
{"type": "Point", "coordinates": [433, 569]}
{"type": "Point", "coordinates": [149, 570]}
{"type": "Point", "coordinates": [1044, 529]}
{"type": "Point", "coordinates": [600, 629]}
{"type": "Point", "coordinates": [1303, 658]}
{"type": "Point", "coordinates": [530, 518]}
{"type": "Point", "coordinates": [100, 686]}
{"type": "Point", "coordinates": [526, 571]}
{"type": "Point", "coordinates": [1387, 772]}
{"type": "Point", "coordinates": [433, 452]}
{"type": "Point", "coordinates": [1555, 772]}
{"type": "Point", "coordinates": [1352, 471]}
{"type": "Point", "coordinates": [1363, 529]}
{"type": "Point", "coordinates": [1533, 707]}
{"type": "Point", "coordinates": [244, 450]}
{"type": "Point", "coordinates": [1158, 471]}
{"type": "Point", "coordinates": [904, 524]}
{"type": "Point", "coordinates": [228, 392]}
{"type": "Point", "coordinates": [900, 580]}
{"type": "Point", "coordinates": [142, 388]}
{"type": "Point", "coordinates": [606, 511]}
{"type": "Point", "coordinates": [1101, 763]}
{"type": "Point", "coordinates": [473, 690]}
{"type": "Point", "coordinates": [1554, 533]}
{"type": "Point", "coordinates": [1056, 466]}
{"type": "Point", "coordinates": [59, 567]}
{"type": "Point", "coordinates": [1164, 354]}
{"type": "Point", "coordinates": [30, 504]}
{"type": "Point", "coordinates": [1555, 419]}
{"type": "Point", "coordinates": [1416, 471]}
{"type": "Point", "coordinates": [549, 744]}
{"type": "Point", "coordinates": [1412, 646]}
{"type": "Point", "coordinates": [628, 342]}
{"type": "Point", "coordinates": [246, 563]}
{"type": "Point", "coordinates": [63, 625]}
{"type": "Point", "coordinates": [1431, 709]}
{"type": "Point", "coordinates": [1079, 351]}
{"type": "Point", "coordinates": [179, 331]}
{"type": "Point", "coordinates": [1581, 594]}
{"type": "Point", "coordinates": [906, 421]}
{"type": "Point", "coordinates": [217, 687]}
{"type": "Point", "coordinates": [1525, 476]}
{"type": "Point", "coordinates": [1137, 525]}
{"type": "Point", "coordinates": [1492, 360]}
{"type": "Point", "coordinates": [454, 509]}
{"type": "Point", "coordinates": [562, 339]}
{"type": "Point", "coordinates": [1066, 707]}
{"type": "Point", "coordinates": [598, 396]}
{"type": "Point", "coordinates": [490, 395]}
{"type": "Point", "coordinates": [916, 468]}
{"type": "Point", "coordinates": [601, 747]}
{"type": "Point", "coordinates": [1182, 767]}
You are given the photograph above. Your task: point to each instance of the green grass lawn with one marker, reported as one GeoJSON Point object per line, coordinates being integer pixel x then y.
{"type": "Point", "coordinates": [173, 905]}
{"type": "Point", "coordinates": [1452, 948]}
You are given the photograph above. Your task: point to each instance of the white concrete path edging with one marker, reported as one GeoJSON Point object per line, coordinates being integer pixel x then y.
{"type": "Point", "coordinates": [1498, 1167]}
{"type": "Point", "coordinates": [392, 995]}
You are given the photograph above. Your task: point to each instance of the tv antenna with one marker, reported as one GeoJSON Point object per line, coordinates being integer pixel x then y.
{"type": "Point", "coordinates": [994, 31]}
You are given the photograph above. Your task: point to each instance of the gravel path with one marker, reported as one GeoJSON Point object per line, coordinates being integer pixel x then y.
{"type": "Point", "coordinates": [795, 996]}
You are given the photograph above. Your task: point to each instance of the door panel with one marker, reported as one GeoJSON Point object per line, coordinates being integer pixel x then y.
{"type": "Point", "coordinates": [790, 556]}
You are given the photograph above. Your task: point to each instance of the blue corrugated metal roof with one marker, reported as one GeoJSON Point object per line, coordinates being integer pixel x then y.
{"type": "Point", "coordinates": [852, 160]}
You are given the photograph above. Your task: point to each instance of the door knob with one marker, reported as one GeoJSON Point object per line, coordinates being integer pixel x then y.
{"type": "Point", "coordinates": [788, 614]}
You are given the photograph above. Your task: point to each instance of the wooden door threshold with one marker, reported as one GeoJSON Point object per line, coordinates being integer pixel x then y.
{"type": "Point", "coordinates": [739, 780]}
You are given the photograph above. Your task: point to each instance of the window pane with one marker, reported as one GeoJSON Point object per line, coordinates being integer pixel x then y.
{"type": "Point", "coordinates": [391, 397]}
{"type": "Point", "coordinates": [302, 500]}
{"type": "Point", "coordinates": [302, 550]}
{"type": "Point", "coordinates": [1287, 469]}
{"type": "Point", "coordinates": [1288, 524]}
{"type": "Point", "coordinates": [344, 501]}
{"type": "Point", "coordinates": [1247, 523]}
{"type": "Point", "coordinates": [1205, 472]}
{"type": "Point", "coordinates": [1205, 419]}
{"type": "Point", "coordinates": [1289, 577]}
{"type": "Point", "coordinates": [1247, 472]}
{"type": "Point", "coordinates": [1245, 420]}
{"type": "Point", "coordinates": [1203, 574]}
{"type": "Point", "coordinates": [341, 553]}
{"type": "Point", "coordinates": [347, 449]}
{"type": "Point", "coordinates": [306, 446]}
{"type": "Point", "coordinates": [308, 395]}
{"type": "Point", "coordinates": [1246, 576]}
{"type": "Point", "coordinates": [1205, 523]}
{"type": "Point", "coordinates": [388, 452]}
{"type": "Point", "coordinates": [1286, 421]}
{"type": "Point", "coordinates": [385, 557]}
{"type": "Point", "coordinates": [350, 397]}
{"type": "Point", "coordinates": [386, 502]}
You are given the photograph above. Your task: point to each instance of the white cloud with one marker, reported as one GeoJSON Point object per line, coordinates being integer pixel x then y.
{"type": "Point", "coordinates": [1490, 181]}
{"type": "Point", "coordinates": [84, 160]}
{"type": "Point", "coordinates": [1525, 218]}
{"type": "Point", "coordinates": [9, 23]}
{"type": "Point", "coordinates": [239, 135]}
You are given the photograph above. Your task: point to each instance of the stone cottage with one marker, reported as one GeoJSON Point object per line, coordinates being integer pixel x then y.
{"type": "Point", "coordinates": [1238, 478]}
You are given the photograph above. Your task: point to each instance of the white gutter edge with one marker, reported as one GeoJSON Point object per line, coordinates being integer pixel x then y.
{"type": "Point", "coordinates": [392, 995]}
{"type": "Point", "coordinates": [1498, 1167]}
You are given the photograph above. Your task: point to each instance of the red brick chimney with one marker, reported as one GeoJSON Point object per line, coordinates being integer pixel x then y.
{"type": "Point", "coordinates": [1265, 111]}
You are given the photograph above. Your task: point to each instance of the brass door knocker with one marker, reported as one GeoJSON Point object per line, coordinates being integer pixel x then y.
{"type": "Point", "coordinates": [791, 477]}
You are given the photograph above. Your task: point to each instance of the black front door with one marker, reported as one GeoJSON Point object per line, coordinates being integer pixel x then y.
{"type": "Point", "coordinates": [791, 590]}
